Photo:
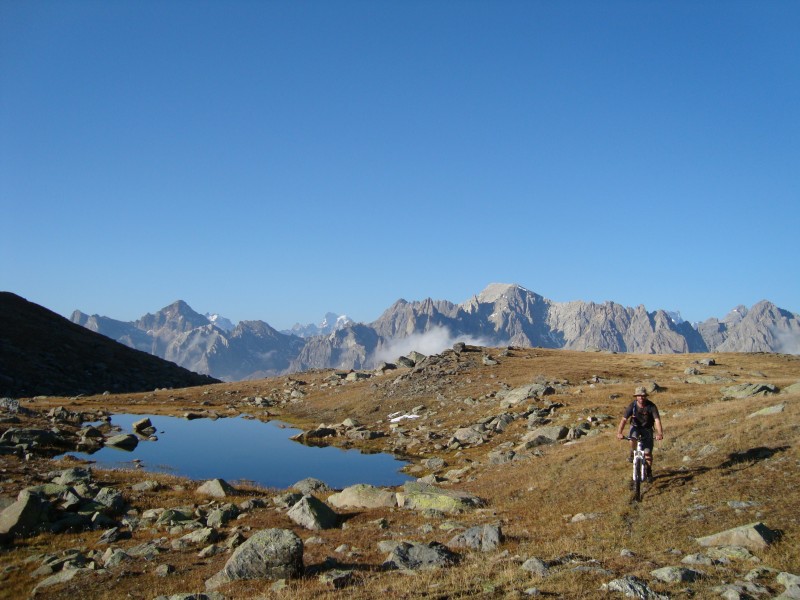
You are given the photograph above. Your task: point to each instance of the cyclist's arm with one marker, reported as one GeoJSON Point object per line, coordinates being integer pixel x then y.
{"type": "Point", "coordinates": [659, 429]}
{"type": "Point", "coordinates": [621, 427]}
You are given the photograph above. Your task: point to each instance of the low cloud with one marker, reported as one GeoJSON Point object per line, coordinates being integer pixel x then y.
{"type": "Point", "coordinates": [786, 342]}
{"type": "Point", "coordinates": [433, 341]}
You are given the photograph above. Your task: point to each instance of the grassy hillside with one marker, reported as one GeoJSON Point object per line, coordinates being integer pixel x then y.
{"type": "Point", "coordinates": [567, 503]}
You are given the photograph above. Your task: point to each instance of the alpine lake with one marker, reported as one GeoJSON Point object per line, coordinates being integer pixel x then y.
{"type": "Point", "coordinates": [244, 450]}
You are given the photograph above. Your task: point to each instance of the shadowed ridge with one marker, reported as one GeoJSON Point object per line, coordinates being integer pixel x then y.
{"type": "Point", "coordinates": [42, 353]}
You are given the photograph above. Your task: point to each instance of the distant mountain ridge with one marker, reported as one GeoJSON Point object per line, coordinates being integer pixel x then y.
{"type": "Point", "coordinates": [500, 315]}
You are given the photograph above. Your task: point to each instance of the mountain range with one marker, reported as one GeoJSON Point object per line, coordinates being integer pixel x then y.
{"type": "Point", "coordinates": [501, 315]}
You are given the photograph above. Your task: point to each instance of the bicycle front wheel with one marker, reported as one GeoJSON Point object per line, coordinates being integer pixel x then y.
{"type": "Point", "coordinates": [637, 481]}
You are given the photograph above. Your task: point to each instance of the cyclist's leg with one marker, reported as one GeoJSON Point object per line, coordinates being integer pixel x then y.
{"type": "Point", "coordinates": [647, 443]}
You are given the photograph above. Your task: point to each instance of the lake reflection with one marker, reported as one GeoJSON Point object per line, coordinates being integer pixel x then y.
{"type": "Point", "coordinates": [245, 449]}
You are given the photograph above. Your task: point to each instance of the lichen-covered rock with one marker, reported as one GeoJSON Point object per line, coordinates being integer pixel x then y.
{"type": "Point", "coordinates": [422, 496]}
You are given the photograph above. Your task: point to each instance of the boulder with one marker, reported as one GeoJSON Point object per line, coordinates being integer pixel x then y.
{"type": "Point", "coordinates": [768, 411]}
{"type": "Point", "coordinates": [124, 441]}
{"type": "Point", "coordinates": [110, 498]}
{"type": "Point", "coordinates": [676, 574]}
{"type": "Point", "coordinates": [520, 394]}
{"type": "Point", "coordinates": [748, 390]}
{"type": "Point", "coordinates": [143, 426]}
{"type": "Point", "coordinates": [217, 488]}
{"type": "Point", "coordinates": [416, 556]}
{"type": "Point", "coordinates": [536, 566]}
{"type": "Point", "coordinates": [421, 496]}
{"type": "Point", "coordinates": [29, 514]}
{"type": "Point", "coordinates": [483, 537]}
{"type": "Point", "coordinates": [310, 485]}
{"type": "Point", "coordinates": [754, 536]}
{"type": "Point", "coordinates": [268, 554]}
{"type": "Point", "coordinates": [631, 586]}
{"type": "Point", "coordinates": [471, 436]}
{"type": "Point", "coordinates": [362, 495]}
{"type": "Point", "coordinates": [314, 514]}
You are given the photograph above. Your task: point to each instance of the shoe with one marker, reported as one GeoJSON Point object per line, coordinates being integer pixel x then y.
{"type": "Point", "coordinates": [649, 476]}
{"type": "Point", "coordinates": [630, 457]}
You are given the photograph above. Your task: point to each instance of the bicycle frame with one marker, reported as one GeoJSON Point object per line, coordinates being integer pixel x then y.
{"type": "Point", "coordinates": [639, 468]}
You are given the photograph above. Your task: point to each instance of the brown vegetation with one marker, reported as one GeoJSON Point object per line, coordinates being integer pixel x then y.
{"type": "Point", "coordinates": [706, 460]}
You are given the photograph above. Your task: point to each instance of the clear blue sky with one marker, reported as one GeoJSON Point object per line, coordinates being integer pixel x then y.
{"type": "Point", "coordinates": [276, 160]}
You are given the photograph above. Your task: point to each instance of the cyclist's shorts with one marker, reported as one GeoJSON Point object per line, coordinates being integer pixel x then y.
{"type": "Point", "coordinates": [646, 436]}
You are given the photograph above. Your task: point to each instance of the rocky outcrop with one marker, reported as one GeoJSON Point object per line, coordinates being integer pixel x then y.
{"type": "Point", "coordinates": [363, 495]}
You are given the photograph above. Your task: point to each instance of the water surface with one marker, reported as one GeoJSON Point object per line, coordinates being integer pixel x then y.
{"type": "Point", "coordinates": [237, 449]}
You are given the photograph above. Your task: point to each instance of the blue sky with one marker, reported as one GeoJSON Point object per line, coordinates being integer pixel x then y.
{"type": "Point", "coordinates": [277, 160]}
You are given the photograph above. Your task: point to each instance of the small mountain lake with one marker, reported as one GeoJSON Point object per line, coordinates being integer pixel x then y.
{"type": "Point", "coordinates": [240, 449]}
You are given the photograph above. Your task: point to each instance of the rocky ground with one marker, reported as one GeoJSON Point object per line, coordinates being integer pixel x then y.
{"type": "Point", "coordinates": [520, 490]}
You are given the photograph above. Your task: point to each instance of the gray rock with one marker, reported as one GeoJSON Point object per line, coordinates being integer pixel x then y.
{"type": "Point", "coordinates": [434, 463]}
{"type": "Point", "coordinates": [770, 410]}
{"type": "Point", "coordinates": [269, 554]}
{"type": "Point", "coordinates": [748, 390]}
{"type": "Point", "coordinates": [28, 515]}
{"type": "Point", "coordinates": [754, 536]}
{"type": "Point", "coordinates": [632, 587]}
{"type": "Point", "coordinates": [483, 537]}
{"type": "Point", "coordinates": [536, 566]}
{"type": "Point", "coordinates": [287, 499]}
{"type": "Point", "coordinates": [125, 441]}
{"type": "Point", "coordinates": [337, 578]}
{"type": "Point", "coordinates": [310, 485]}
{"type": "Point", "coordinates": [217, 488]}
{"type": "Point", "coordinates": [416, 556]}
{"type": "Point", "coordinates": [111, 498]}
{"type": "Point", "coordinates": [363, 495]}
{"type": "Point", "coordinates": [313, 514]}
{"type": "Point", "coordinates": [222, 515]}
{"type": "Point", "coordinates": [146, 486]}
{"type": "Point", "coordinates": [73, 476]}
{"type": "Point", "coordinates": [676, 574]}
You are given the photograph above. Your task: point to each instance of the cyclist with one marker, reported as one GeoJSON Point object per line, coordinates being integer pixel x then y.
{"type": "Point", "coordinates": [643, 415]}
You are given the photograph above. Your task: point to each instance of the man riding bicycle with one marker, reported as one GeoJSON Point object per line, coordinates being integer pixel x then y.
{"type": "Point", "coordinates": [643, 416]}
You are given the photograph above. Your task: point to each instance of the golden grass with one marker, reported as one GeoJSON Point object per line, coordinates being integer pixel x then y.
{"type": "Point", "coordinates": [701, 466]}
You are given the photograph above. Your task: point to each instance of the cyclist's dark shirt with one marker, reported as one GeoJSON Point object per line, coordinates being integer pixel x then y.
{"type": "Point", "coordinates": [644, 417]}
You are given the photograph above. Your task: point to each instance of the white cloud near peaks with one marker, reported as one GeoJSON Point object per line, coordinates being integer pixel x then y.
{"type": "Point", "coordinates": [433, 341]}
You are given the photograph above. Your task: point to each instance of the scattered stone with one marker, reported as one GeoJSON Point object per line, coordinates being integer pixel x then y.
{"type": "Point", "coordinates": [676, 574]}
{"type": "Point", "coordinates": [416, 556]}
{"type": "Point", "coordinates": [536, 566]}
{"type": "Point", "coordinates": [310, 485]}
{"type": "Point", "coordinates": [164, 569]}
{"type": "Point", "coordinates": [631, 586]}
{"type": "Point", "coordinates": [337, 579]}
{"type": "Point", "coordinates": [218, 488]}
{"type": "Point", "coordinates": [269, 554]}
{"type": "Point", "coordinates": [146, 486]}
{"type": "Point", "coordinates": [483, 537]}
{"type": "Point", "coordinates": [314, 514]}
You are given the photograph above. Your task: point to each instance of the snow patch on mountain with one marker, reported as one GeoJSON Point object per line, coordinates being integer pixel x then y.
{"type": "Point", "coordinates": [220, 322]}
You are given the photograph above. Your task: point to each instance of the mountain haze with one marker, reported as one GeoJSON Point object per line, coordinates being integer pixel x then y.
{"type": "Point", "coordinates": [500, 315]}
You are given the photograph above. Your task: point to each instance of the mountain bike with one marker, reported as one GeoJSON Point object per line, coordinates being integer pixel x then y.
{"type": "Point", "coordinates": [639, 468]}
